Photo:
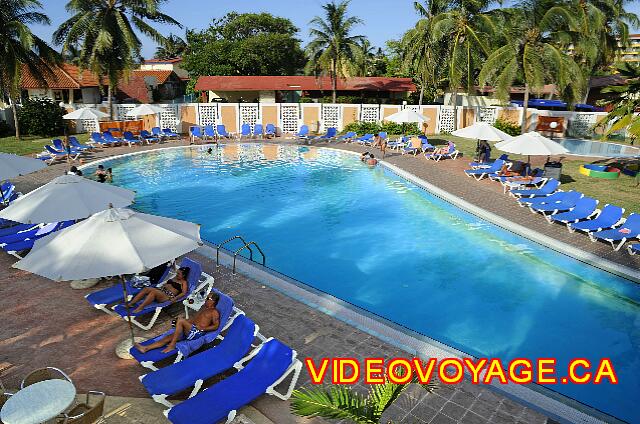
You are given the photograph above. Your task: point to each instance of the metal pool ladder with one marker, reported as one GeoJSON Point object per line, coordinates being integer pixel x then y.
{"type": "Point", "coordinates": [246, 245]}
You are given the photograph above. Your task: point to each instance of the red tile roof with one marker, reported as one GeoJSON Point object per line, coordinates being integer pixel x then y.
{"type": "Point", "coordinates": [300, 83]}
{"type": "Point", "coordinates": [161, 76]}
{"type": "Point", "coordinates": [133, 88]}
{"type": "Point", "coordinates": [85, 78]}
{"type": "Point", "coordinates": [175, 60]}
{"type": "Point", "coordinates": [60, 77]}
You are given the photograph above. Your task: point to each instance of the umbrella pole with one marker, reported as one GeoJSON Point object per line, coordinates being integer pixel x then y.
{"type": "Point", "coordinates": [1, 192]}
{"type": "Point", "coordinates": [126, 305]}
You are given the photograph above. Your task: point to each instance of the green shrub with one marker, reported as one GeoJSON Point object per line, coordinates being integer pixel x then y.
{"type": "Point", "coordinates": [41, 117]}
{"type": "Point", "coordinates": [360, 127]}
{"type": "Point", "coordinates": [390, 128]}
{"type": "Point", "coordinates": [508, 127]}
{"type": "Point", "coordinates": [5, 129]}
{"type": "Point", "coordinates": [397, 129]}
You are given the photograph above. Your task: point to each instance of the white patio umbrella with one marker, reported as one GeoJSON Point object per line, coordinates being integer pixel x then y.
{"type": "Point", "coordinates": [532, 144]}
{"type": "Point", "coordinates": [65, 198]}
{"type": "Point", "coordinates": [482, 131]}
{"type": "Point", "coordinates": [116, 241]}
{"type": "Point", "coordinates": [13, 166]}
{"type": "Point", "coordinates": [85, 113]}
{"type": "Point", "coordinates": [407, 116]}
{"type": "Point", "coordinates": [144, 109]}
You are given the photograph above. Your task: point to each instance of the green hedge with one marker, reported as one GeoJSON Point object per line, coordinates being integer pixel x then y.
{"type": "Point", "coordinates": [508, 127]}
{"type": "Point", "coordinates": [390, 128]}
{"type": "Point", "coordinates": [41, 117]}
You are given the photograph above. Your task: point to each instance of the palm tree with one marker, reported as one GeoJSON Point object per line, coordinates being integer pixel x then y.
{"type": "Point", "coordinates": [365, 56]}
{"type": "Point", "coordinates": [532, 55]}
{"type": "Point", "coordinates": [333, 48]}
{"type": "Point", "coordinates": [172, 48]}
{"type": "Point", "coordinates": [468, 31]}
{"type": "Point", "coordinates": [19, 48]}
{"type": "Point", "coordinates": [105, 32]}
{"type": "Point", "coordinates": [627, 102]}
{"type": "Point", "coordinates": [343, 403]}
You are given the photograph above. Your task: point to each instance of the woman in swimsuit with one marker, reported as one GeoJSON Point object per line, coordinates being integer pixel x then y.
{"type": "Point", "coordinates": [172, 290]}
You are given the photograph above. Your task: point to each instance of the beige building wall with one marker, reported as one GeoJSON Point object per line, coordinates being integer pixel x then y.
{"type": "Point", "coordinates": [389, 110]}
{"type": "Point", "coordinates": [432, 113]}
{"type": "Point", "coordinates": [468, 117]}
{"type": "Point", "coordinates": [188, 117]}
{"type": "Point", "coordinates": [311, 117]}
{"type": "Point", "coordinates": [229, 117]}
{"type": "Point", "coordinates": [349, 115]}
{"type": "Point", "coordinates": [270, 115]}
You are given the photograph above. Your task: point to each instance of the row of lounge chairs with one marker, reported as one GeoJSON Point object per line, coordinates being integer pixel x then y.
{"type": "Point", "coordinates": [571, 208]}
{"type": "Point", "coordinates": [15, 238]}
{"type": "Point", "coordinates": [208, 132]}
{"type": "Point", "coordinates": [261, 363]}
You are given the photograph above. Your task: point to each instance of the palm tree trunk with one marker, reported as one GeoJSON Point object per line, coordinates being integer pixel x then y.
{"type": "Point", "coordinates": [454, 98]}
{"type": "Point", "coordinates": [523, 126]}
{"type": "Point", "coordinates": [421, 93]}
{"type": "Point", "coordinates": [109, 101]}
{"type": "Point", "coordinates": [334, 81]}
{"type": "Point", "coordinates": [14, 110]}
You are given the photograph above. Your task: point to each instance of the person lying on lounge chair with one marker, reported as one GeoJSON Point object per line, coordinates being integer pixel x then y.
{"type": "Point", "coordinates": [172, 290]}
{"type": "Point", "coordinates": [207, 319]}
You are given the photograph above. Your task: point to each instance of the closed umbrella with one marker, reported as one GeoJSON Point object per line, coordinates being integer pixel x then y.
{"type": "Point", "coordinates": [532, 144]}
{"type": "Point", "coordinates": [85, 113]}
{"type": "Point", "coordinates": [13, 166]}
{"type": "Point", "coordinates": [482, 131]}
{"type": "Point", "coordinates": [116, 241]}
{"type": "Point", "coordinates": [66, 198]}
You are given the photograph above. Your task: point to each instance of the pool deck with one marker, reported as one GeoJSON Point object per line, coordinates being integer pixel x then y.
{"type": "Point", "coordinates": [65, 332]}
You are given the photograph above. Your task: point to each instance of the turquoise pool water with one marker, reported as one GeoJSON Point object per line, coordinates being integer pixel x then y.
{"type": "Point", "coordinates": [383, 244]}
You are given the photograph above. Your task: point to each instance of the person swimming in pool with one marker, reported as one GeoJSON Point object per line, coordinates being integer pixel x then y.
{"type": "Point", "coordinates": [372, 161]}
{"type": "Point", "coordinates": [207, 319]}
{"type": "Point", "coordinates": [364, 157]}
{"type": "Point", "coordinates": [172, 291]}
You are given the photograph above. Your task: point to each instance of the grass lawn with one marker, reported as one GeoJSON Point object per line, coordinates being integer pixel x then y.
{"type": "Point", "coordinates": [622, 191]}
{"type": "Point", "coordinates": [30, 145]}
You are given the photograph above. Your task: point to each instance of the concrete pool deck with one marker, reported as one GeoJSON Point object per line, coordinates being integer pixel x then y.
{"type": "Point", "coordinates": [66, 332]}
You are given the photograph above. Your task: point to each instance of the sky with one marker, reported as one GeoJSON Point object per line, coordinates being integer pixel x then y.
{"type": "Point", "coordinates": [382, 20]}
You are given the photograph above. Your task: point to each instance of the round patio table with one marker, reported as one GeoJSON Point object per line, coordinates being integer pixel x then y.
{"type": "Point", "coordinates": [38, 402]}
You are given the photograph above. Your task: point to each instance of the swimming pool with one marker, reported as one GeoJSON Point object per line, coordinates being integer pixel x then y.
{"type": "Point", "coordinates": [377, 241]}
{"type": "Point", "coordinates": [598, 148]}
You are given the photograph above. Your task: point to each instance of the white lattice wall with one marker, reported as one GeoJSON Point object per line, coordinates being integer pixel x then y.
{"type": "Point", "coordinates": [446, 119]}
{"type": "Point", "coordinates": [370, 113]}
{"type": "Point", "coordinates": [415, 108]}
{"type": "Point", "coordinates": [169, 117]}
{"type": "Point", "coordinates": [488, 115]}
{"type": "Point", "coordinates": [582, 124]}
{"type": "Point", "coordinates": [249, 114]}
{"type": "Point", "coordinates": [122, 110]}
{"type": "Point", "coordinates": [331, 116]}
{"type": "Point", "coordinates": [207, 114]}
{"type": "Point", "coordinates": [289, 118]}
{"type": "Point", "coordinates": [87, 125]}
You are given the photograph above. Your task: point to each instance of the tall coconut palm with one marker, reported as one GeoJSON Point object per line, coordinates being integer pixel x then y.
{"type": "Point", "coordinates": [364, 59]}
{"type": "Point", "coordinates": [468, 31]}
{"type": "Point", "coordinates": [172, 48]}
{"type": "Point", "coordinates": [626, 102]}
{"type": "Point", "coordinates": [532, 54]}
{"type": "Point", "coordinates": [344, 403]}
{"type": "Point", "coordinates": [333, 48]}
{"type": "Point", "coordinates": [105, 31]}
{"type": "Point", "coordinates": [20, 48]}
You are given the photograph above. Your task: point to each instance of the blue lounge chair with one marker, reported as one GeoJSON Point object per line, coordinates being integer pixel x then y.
{"type": "Point", "coordinates": [129, 138]}
{"type": "Point", "coordinates": [169, 133]}
{"type": "Point", "coordinates": [209, 132]}
{"type": "Point", "coordinates": [97, 138]}
{"type": "Point", "coordinates": [525, 201]}
{"type": "Point", "coordinates": [195, 370]}
{"type": "Point", "coordinates": [584, 209]}
{"type": "Point", "coordinates": [270, 130]}
{"type": "Point", "coordinates": [16, 228]}
{"type": "Point", "coordinates": [273, 362]}
{"type": "Point", "coordinates": [155, 308]}
{"type": "Point", "coordinates": [222, 131]}
{"type": "Point", "coordinates": [55, 154]}
{"type": "Point", "coordinates": [258, 131]}
{"type": "Point", "coordinates": [628, 230]}
{"type": "Point", "coordinates": [566, 201]}
{"type": "Point", "coordinates": [196, 134]}
{"type": "Point", "coordinates": [16, 248]}
{"type": "Point", "coordinates": [609, 217]}
{"type": "Point", "coordinates": [634, 249]}
{"type": "Point", "coordinates": [101, 299]}
{"type": "Point", "coordinates": [549, 187]}
{"type": "Point", "coordinates": [479, 174]}
{"type": "Point", "coordinates": [476, 165]}
{"type": "Point", "coordinates": [347, 136]}
{"type": "Point", "coordinates": [73, 141]}
{"type": "Point", "coordinates": [148, 137]}
{"type": "Point", "coordinates": [110, 138]}
{"type": "Point", "coordinates": [450, 153]}
{"type": "Point", "coordinates": [157, 132]}
{"type": "Point", "coordinates": [7, 193]}
{"type": "Point", "coordinates": [398, 143]}
{"type": "Point", "coordinates": [245, 131]}
{"type": "Point", "coordinates": [331, 133]}
{"type": "Point", "coordinates": [304, 132]}
{"type": "Point", "coordinates": [364, 139]}
{"type": "Point", "coordinates": [185, 347]}
{"type": "Point", "coordinates": [23, 235]}
{"type": "Point", "coordinates": [59, 146]}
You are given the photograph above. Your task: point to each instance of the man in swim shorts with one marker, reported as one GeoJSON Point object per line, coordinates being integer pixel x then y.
{"type": "Point", "coordinates": [207, 319]}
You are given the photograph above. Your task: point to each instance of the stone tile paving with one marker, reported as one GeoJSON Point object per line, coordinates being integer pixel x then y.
{"type": "Point", "coordinates": [64, 331]}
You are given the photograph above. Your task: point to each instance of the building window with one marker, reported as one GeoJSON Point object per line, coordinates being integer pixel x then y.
{"type": "Point", "coordinates": [57, 95]}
